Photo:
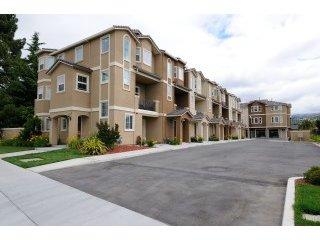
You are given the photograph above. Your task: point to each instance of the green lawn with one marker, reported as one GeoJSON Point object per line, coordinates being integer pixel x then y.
{"type": "Point", "coordinates": [315, 138]}
{"type": "Point", "coordinates": [44, 158]}
{"type": "Point", "coordinates": [307, 200]}
{"type": "Point", "coordinates": [9, 149]}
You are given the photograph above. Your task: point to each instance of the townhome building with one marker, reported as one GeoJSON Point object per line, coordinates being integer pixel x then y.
{"type": "Point", "coordinates": [121, 76]}
{"type": "Point", "coordinates": [268, 119]}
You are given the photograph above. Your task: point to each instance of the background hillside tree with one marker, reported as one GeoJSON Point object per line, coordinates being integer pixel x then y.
{"type": "Point", "coordinates": [306, 124]}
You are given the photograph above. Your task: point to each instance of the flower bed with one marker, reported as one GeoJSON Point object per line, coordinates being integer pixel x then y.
{"type": "Point", "coordinates": [126, 148]}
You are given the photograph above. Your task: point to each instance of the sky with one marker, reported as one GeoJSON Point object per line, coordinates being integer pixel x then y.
{"type": "Point", "coordinates": [254, 56]}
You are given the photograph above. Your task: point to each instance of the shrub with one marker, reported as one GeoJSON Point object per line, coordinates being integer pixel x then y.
{"type": "Point", "coordinates": [234, 138]}
{"type": "Point", "coordinates": [313, 175]}
{"type": "Point", "coordinates": [92, 146]}
{"type": "Point", "coordinates": [213, 138]}
{"type": "Point", "coordinates": [174, 141]}
{"type": "Point", "coordinates": [139, 141]}
{"type": "Point", "coordinates": [31, 128]}
{"type": "Point", "coordinates": [193, 139]}
{"type": "Point", "coordinates": [39, 141]}
{"type": "Point", "coordinates": [315, 138]}
{"type": "Point", "coordinates": [196, 139]}
{"type": "Point", "coordinates": [11, 142]}
{"type": "Point", "coordinates": [150, 143]}
{"type": "Point", "coordinates": [200, 139]}
{"type": "Point", "coordinates": [75, 143]}
{"type": "Point", "coordinates": [108, 135]}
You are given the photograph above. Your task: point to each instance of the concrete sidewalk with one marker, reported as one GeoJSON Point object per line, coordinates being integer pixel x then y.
{"type": "Point", "coordinates": [27, 198]}
{"type": "Point", "coordinates": [36, 150]}
{"type": "Point", "coordinates": [110, 157]}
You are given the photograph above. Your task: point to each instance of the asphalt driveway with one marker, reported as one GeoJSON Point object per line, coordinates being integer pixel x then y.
{"type": "Point", "coordinates": [238, 183]}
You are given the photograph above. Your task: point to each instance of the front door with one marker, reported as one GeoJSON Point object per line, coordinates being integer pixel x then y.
{"type": "Point", "coordinates": [79, 126]}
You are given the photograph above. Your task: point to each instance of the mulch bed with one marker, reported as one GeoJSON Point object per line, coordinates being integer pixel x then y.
{"type": "Point", "coordinates": [301, 181]}
{"type": "Point", "coordinates": [126, 148]}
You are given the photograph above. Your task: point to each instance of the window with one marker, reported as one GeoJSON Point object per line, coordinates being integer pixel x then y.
{"type": "Point", "coordinates": [181, 74]}
{"type": "Point", "coordinates": [126, 77]}
{"type": "Point", "coordinates": [47, 123]}
{"type": "Point", "coordinates": [104, 76]}
{"type": "Point", "coordinates": [41, 63]}
{"type": "Point", "coordinates": [126, 48]}
{"type": "Point", "coordinates": [275, 119]}
{"type": "Point", "coordinates": [64, 124]}
{"type": "Point", "coordinates": [40, 92]}
{"type": "Point", "coordinates": [256, 108]}
{"type": "Point", "coordinates": [78, 54]}
{"type": "Point", "coordinates": [48, 92]}
{"type": "Point", "coordinates": [169, 92]}
{"type": "Point", "coordinates": [137, 91]}
{"type": "Point", "coordinates": [195, 81]}
{"type": "Point", "coordinates": [276, 108]}
{"type": "Point", "coordinates": [169, 69]}
{"type": "Point", "coordinates": [82, 83]}
{"type": "Point", "coordinates": [105, 44]}
{"type": "Point", "coordinates": [256, 120]}
{"type": "Point", "coordinates": [175, 73]}
{"type": "Point", "coordinates": [128, 122]}
{"type": "Point", "coordinates": [104, 107]}
{"type": "Point", "coordinates": [61, 56]}
{"type": "Point", "coordinates": [147, 57]}
{"type": "Point", "coordinates": [138, 54]}
{"type": "Point", "coordinates": [61, 83]}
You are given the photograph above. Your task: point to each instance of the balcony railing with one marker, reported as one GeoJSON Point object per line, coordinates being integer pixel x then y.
{"type": "Point", "coordinates": [149, 105]}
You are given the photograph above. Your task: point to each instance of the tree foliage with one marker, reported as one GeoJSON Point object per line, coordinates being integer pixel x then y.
{"type": "Point", "coordinates": [306, 124]}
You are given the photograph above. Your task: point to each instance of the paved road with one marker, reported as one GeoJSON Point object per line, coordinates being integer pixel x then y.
{"type": "Point", "coordinates": [240, 183]}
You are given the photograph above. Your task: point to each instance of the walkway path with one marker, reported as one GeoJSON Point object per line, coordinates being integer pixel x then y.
{"type": "Point", "coordinates": [27, 198]}
{"type": "Point", "coordinates": [37, 150]}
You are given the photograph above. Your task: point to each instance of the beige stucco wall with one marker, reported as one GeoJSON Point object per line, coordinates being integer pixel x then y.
{"type": "Point", "coordinates": [9, 133]}
{"type": "Point", "coordinates": [300, 135]}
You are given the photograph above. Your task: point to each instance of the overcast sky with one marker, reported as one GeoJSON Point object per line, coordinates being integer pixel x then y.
{"type": "Point", "coordinates": [273, 56]}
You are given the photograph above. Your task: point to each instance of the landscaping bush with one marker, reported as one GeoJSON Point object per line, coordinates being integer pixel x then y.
{"type": "Point", "coordinates": [213, 138]}
{"type": "Point", "coordinates": [315, 138]}
{"type": "Point", "coordinates": [313, 175]}
{"type": "Point", "coordinates": [234, 137]}
{"type": "Point", "coordinates": [92, 146]}
{"type": "Point", "coordinates": [196, 139]}
{"type": "Point", "coordinates": [39, 141]}
{"type": "Point", "coordinates": [31, 128]}
{"type": "Point", "coordinates": [139, 141]}
{"type": "Point", "coordinates": [193, 139]}
{"type": "Point", "coordinates": [108, 135]}
{"type": "Point", "coordinates": [75, 143]}
{"type": "Point", "coordinates": [174, 141]}
{"type": "Point", "coordinates": [150, 143]}
{"type": "Point", "coordinates": [200, 139]}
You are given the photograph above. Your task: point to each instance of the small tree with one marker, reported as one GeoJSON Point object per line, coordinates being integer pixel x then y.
{"type": "Point", "coordinates": [306, 124]}
{"type": "Point", "coordinates": [317, 124]}
{"type": "Point", "coordinates": [108, 135]}
{"type": "Point", "coordinates": [31, 128]}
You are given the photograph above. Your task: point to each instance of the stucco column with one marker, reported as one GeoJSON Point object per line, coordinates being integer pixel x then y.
{"type": "Point", "coordinates": [73, 125]}
{"type": "Point", "coordinates": [53, 139]}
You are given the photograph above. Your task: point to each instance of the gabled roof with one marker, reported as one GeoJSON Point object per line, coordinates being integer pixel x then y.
{"type": "Point", "coordinates": [179, 112]}
{"type": "Point", "coordinates": [171, 56]}
{"type": "Point", "coordinates": [45, 50]}
{"type": "Point", "coordinates": [70, 64]}
{"type": "Point", "coordinates": [270, 102]}
{"type": "Point", "coordinates": [199, 116]}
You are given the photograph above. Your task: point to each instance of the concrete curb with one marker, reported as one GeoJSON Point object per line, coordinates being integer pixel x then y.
{"type": "Point", "coordinates": [116, 156]}
{"type": "Point", "coordinates": [288, 212]}
{"type": "Point", "coordinates": [317, 144]}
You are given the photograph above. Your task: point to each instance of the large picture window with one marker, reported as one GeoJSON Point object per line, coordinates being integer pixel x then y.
{"type": "Point", "coordinates": [105, 44]}
{"type": "Point", "coordinates": [61, 83]}
{"type": "Point", "coordinates": [147, 57]}
{"type": "Point", "coordinates": [82, 83]}
{"type": "Point", "coordinates": [126, 77]}
{"type": "Point", "coordinates": [78, 54]}
{"type": "Point", "coordinates": [126, 48]}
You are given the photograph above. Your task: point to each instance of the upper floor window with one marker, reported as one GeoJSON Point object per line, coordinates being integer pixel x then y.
{"type": "Point", "coordinates": [169, 92]}
{"type": "Point", "coordinates": [138, 54]}
{"type": "Point", "coordinates": [45, 62]}
{"type": "Point", "coordinates": [195, 81]}
{"type": "Point", "coordinates": [175, 72]}
{"type": "Point", "coordinates": [276, 119]}
{"type": "Point", "coordinates": [61, 83]}
{"type": "Point", "coordinates": [147, 57]}
{"type": "Point", "coordinates": [104, 109]}
{"type": "Point", "coordinates": [104, 76]}
{"type": "Point", "coordinates": [78, 57]}
{"type": "Point", "coordinates": [181, 73]}
{"type": "Point", "coordinates": [276, 108]}
{"type": "Point", "coordinates": [40, 92]}
{"type": "Point", "coordinates": [256, 108]}
{"type": "Point", "coordinates": [256, 120]}
{"type": "Point", "coordinates": [82, 83]}
{"type": "Point", "coordinates": [41, 63]}
{"type": "Point", "coordinates": [126, 48]}
{"type": "Point", "coordinates": [169, 69]}
{"type": "Point", "coordinates": [105, 42]}
{"type": "Point", "coordinates": [126, 77]}
{"type": "Point", "coordinates": [48, 92]}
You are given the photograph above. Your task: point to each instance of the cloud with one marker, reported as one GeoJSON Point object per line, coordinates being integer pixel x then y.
{"type": "Point", "coordinates": [266, 56]}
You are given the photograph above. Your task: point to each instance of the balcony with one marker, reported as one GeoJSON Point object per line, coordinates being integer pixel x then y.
{"type": "Point", "coordinates": [149, 105]}
{"type": "Point", "coordinates": [145, 77]}
{"type": "Point", "coordinates": [224, 105]}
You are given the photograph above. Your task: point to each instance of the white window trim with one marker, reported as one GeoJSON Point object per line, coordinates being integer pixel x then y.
{"type": "Point", "coordinates": [182, 73]}
{"type": "Point", "coordinates": [42, 92]}
{"type": "Point", "coordinates": [88, 83]}
{"type": "Point", "coordinates": [64, 83]}
{"type": "Point", "coordinates": [75, 54]}
{"type": "Point", "coordinates": [62, 129]}
{"type": "Point", "coordinates": [169, 62]}
{"type": "Point", "coordinates": [126, 86]}
{"type": "Point", "coordinates": [140, 54]}
{"type": "Point", "coordinates": [169, 98]}
{"type": "Point", "coordinates": [175, 72]}
{"type": "Point", "coordinates": [104, 37]}
{"type": "Point", "coordinates": [123, 42]}
{"type": "Point", "coordinates": [104, 70]}
{"type": "Point", "coordinates": [44, 63]}
{"type": "Point", "coordinates": [143, 57]}
{"type": "Point", "coordinates": [46, 129]}
{"type": "Point", "coordinates": [133, 120]}
{"type": "Point", "coordinates": [100, 109]}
